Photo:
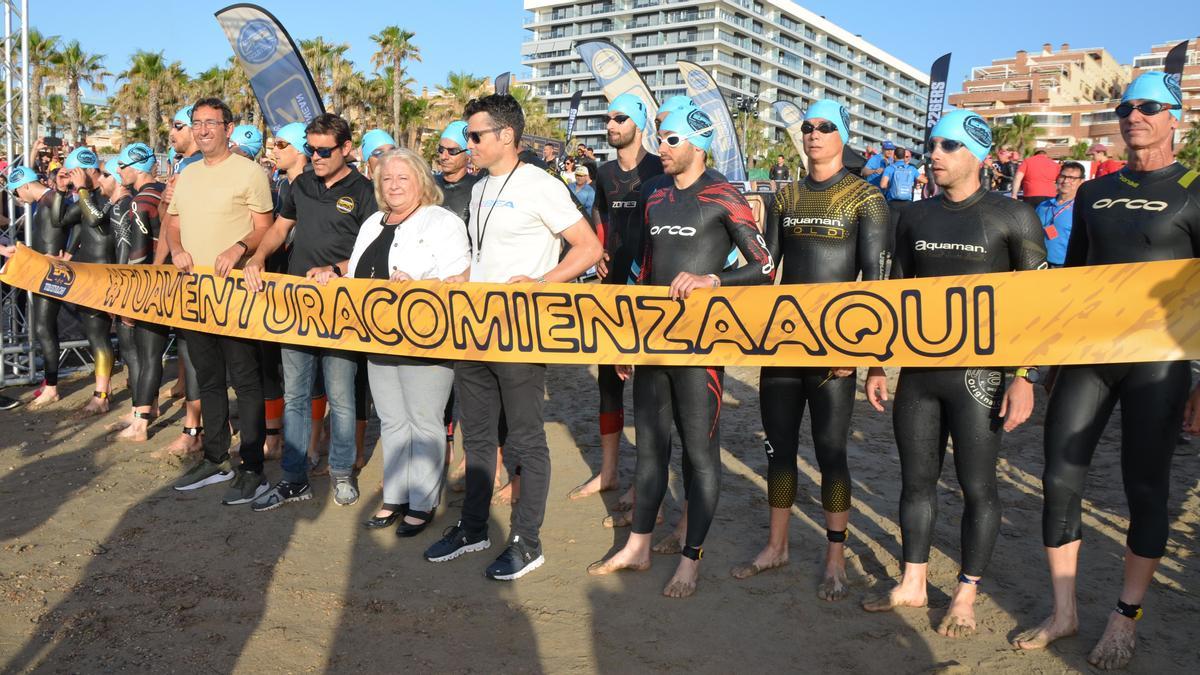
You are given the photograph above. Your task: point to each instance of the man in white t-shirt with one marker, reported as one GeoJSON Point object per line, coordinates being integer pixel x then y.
{"type": "Point", "coordinates": [520, 216]}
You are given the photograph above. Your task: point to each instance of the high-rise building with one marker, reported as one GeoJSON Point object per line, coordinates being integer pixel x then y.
{"type": "Point", "coordinates": [772, 49]}
{"type": "Point", "coordinates": [1070, 93]}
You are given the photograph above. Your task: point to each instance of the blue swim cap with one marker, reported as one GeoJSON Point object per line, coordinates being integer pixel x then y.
{"type": "Point", "coordinates": [1159, 87]}
{"type": "Point", "coordinates": [628, 104]}
{"type": "Point", "coordinates": [184, 115]}
{"type": "Point", "coordinates": [375, 139]}
{"type": "Point", "coordinates": [81, 158]}
{"type": "Point", "coordinates": [113, 169]}
{"type": "Point", "coordinates": [689, 122]}
{"type": "Point", "coordinates": [674, 103]}
{"type": "Point", "coordinates": [830, 110]}
{"type": "Point", "coordinates": [248, 138]}
{"type": "Point", "coordinates": [456, 132]}
{"type": "Point", "coordinates": [138, 156]}
{"type": "Point", "coordinates": [965, 127]}
{"type": "Point", "coordinates": [294, 135]}
{"type": "Point", "coordinates": [18, 176]}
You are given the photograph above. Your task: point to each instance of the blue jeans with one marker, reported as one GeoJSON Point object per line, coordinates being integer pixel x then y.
{"type": "Point", "coordinates": [299, 371]}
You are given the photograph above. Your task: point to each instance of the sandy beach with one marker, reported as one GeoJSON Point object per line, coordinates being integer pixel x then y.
{"type": "Point", "coordinates": [105, 568]}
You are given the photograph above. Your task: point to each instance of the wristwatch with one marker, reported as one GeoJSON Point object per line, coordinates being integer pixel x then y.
{"type": "Point", "coordinates": [1032, 374]}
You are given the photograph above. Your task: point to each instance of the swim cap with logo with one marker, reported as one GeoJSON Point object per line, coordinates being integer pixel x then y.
{"type": "Point", "coordinates": [967, 128]}
{"type": "Point", "coordinates": [248, 138]}
{"type": "Point", "coordinates": [138, 156]}
{"type": "Point", "coordinates": [295, 136]}
{"type": "Point", "coordinates": [375, 139]}
{"type": "Point", "coordinates": [690, 122]}
{"type": "Point", "coordinates": [628, 104]}
{"type": "Point", "coordinates": [81, 158]}
{"type": "Point", "coordinates": [831, 110]}
{"type": "Point", "coordinates": [456, 132]}
{"type": "Point", "coordinates": [1159, 87]}
{"type": "Point", "coordinates": [18, 176]}
{"type": "Point", "coordinates": [184, 115]}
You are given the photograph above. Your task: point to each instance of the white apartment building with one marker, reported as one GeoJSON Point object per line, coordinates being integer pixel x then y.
{"type": "Point", "coordinates": [773, 49]}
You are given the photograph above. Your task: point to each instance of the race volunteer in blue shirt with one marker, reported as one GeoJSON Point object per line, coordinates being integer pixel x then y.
{"type": "Point", "coordinates": [1056, 213]}
{"type": "Point", "coordinates": [873, 171]}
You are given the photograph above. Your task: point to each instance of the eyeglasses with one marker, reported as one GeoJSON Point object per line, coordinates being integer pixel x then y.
{"type": "Point", "coordinates": [323, 153]}
{"type": "Point", "coordinates": [673, 139]}
{"type": "Point", "coordinates": [211, 124]}
{"type": "Point", "coordinates": [453, 152]}
{"type": "Point", "coordinates": [1064, 177]}
{"type": "Point", "coordinates": [1147, 108]}
{"type": "Point", "coordinates": [946, 144]}
{"type": "Point", "coordinates": [619, 119]}
{"type": "Point", "coordinates": [178, 126]}
{"type": "Point", "coordinates": [823, 127]}
{"type": "Point", "coordinates": [477, 136]}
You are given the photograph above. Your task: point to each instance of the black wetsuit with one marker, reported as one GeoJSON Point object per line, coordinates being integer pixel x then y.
{"type": "Point", "coordinates": [823, 232]}
{"type": "Point", "coordinates": [1124, 217]}
{"type": "Point", "coordinates": [52, 228]}
{"type": "Point", "coordinates": [620, 204]}
{"type": "Point", "coordinates": [456, 196]}
{"type": "Point", "coordinates": [95, 245]}
{"type": "Point", "coordinates": [689, 230]}
{"type": "Point", "coordinates": [120, 223]}
{"type": "Point", "coordinates": [150, 338]}
{"type": "Point", "coordinates": [986, 232]}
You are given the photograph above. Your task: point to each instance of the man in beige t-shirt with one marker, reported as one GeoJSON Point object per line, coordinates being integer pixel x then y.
{"type": "Point", "coordinates": [220, 209]}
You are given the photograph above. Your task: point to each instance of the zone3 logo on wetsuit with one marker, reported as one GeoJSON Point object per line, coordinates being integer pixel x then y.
{"type": "Point", "coordinates": [619, 202]}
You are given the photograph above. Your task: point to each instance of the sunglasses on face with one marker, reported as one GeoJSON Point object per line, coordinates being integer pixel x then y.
{"type": "Point", "coordinates": [1147, 108]}
{"type": "Point", "coordinates": [673, 140]}
{"type": "Point", "coordinates": [477, 136]}
{"type": "Point", "coordinates": [453, 152]}
{"type": "Point", "coordinates": [177, 126]}
{"type": "Point", "coordinates": [823, 127]}
{"type": "Point", "coordinates": [281, 145]}
{"type": "Point", "coordinates": [323, 153]}
{"type": "Point", "coordinates": [619, 119]}
{"type": "Point", "coordinates": [946, 144]}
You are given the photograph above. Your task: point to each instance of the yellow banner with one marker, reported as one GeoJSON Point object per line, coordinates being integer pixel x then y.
{"type": "Point", "coordinates": [1103, 314]}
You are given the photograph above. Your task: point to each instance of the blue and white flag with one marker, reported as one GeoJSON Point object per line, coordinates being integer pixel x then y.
{"type": "Point", "coordinates": [616, 75]}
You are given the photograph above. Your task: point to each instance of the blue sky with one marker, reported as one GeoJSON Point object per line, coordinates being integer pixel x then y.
{"type": "Point", "coordinates": [484, 36]}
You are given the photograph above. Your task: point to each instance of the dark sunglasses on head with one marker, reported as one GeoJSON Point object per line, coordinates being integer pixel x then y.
{"type": "Point", "coordinates": [946, 144]}
{"type": "Point", "coordinates": [453, 152]}
{"type": "Point", "coordinates": [477, 136]}
{"type": "Point", "coordinates": [323, 153]}
{"type": "Point", "coordinates": [1147, 108]}
{"type": "Point", "coordinates": [823, 127]}
{"type": "Point", "coordinates": [619, 119]}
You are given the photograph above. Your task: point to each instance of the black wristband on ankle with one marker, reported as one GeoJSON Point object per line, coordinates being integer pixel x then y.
{"type": "Point", "coordinates": [693, 552]}
{"type": "Point", "coordinates": [835, 536]}
{"type": "Point", "coordinates": [1132, 611]}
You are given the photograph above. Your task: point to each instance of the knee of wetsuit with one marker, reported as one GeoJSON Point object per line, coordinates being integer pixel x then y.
{"type": "Point", "coordinates": [612, 422]}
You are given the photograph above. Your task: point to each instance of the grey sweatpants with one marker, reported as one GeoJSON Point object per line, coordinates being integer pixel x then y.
{"type": "Point", "coordinates": [411, 402]}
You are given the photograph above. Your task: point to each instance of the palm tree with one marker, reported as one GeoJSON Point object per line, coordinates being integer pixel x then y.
{"type": "Point", "coordinates": [151, 70]}
{"type": "Point", "coordinates": [412, 116]}
{"type": "Point", "coordinates": [90, 118]}
{"type": "Point", "coordinates": [1189, 149]}
{"type": "Point", "coordinates": [459, 89]}
{"type": "Point", "coordinates": [1079, 150]}
{"type": "Point", "coordinates": [1022, 134]}
{"type": "Point", "coordinates": [395, 48]}
{"type": "Point", "coordinates": [42, 49]}
{"type": "Point", "coordinates": [319, 55]}
{"type": "Point", "coordinates": [77, 68]}
{"type": "Point", "coordinates": [537, 122]}
{"type": "Point", "coordinates": [55, 117]}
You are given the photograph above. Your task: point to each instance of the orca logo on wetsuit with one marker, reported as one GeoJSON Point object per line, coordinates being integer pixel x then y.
{"type": "Point", "coordinates": [1134, 204]}
{"type": "Point", "coordinates": [982, 384]}
{"type": "Point", "coordinates": [682, 231]}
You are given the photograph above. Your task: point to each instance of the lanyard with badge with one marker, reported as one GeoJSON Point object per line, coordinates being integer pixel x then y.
{"type": "Point", "coordinates": [480, 232]}
{"type": "Point", "coordinates": [1051, 230]}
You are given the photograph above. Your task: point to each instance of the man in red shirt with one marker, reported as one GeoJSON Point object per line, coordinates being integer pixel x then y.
{"type": "Point", "coordinates": [1035, 179]}
{"type": "Point", "coordinates": [1102, 164]}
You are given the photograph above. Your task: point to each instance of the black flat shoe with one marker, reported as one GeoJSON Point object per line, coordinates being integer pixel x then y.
{"type": "Point", "coordinates": [405, 529]}
{"type": "Point", "coordinates": [379, 522]}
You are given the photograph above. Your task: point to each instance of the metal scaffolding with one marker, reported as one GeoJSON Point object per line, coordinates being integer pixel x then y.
{"type": "Point", "coordinates": [17, 363]}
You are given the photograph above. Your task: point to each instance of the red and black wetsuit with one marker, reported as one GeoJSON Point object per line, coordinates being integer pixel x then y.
{"type": "Point", "coordinates": [1125, 217]}
{"type": "Point", "coordinates": [689, 230]}
{"type": "Point", "coordinates": [150, 338]}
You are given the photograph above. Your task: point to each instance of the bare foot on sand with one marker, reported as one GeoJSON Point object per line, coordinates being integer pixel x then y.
{"type": "Point", "coordinates": [683, 584]}
{"type": "Point", "coordinates": [120, 424]}
{"type": "Point", "coordinates": [625, 503]}
{"type": "Point", "coordinates": [621, 560]}
{"type": "Point", "coordinates": [183, 445]}
{"type": "Point", "coordinates": [44, 399]}
{"type": "Point", "coordinates": [625, 519]}
{"type": "Point", "coordinates": [134, 433]}
{"type": "Point", "coordinates": [767, 559]}
{"type": "Point", "coordinates": [1115, 648]}
{"type": "Point", "coordinates": [959, 621]}
{"type": "Point", "coordinates": [594, 485]}
{"type": "Point", "coordinates": [669, 545]}
{"type": "Point", "coordinates": [1048, 631]}
{"type": "Point", "coordinates": [897, 597]}
{"type": "Point", "coordinates": [96, 406]}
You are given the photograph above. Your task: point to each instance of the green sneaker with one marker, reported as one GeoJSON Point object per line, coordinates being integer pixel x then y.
{"type": "Point", "coordinates": [205, 472]}
{"type": "Point", "coordinates": [245, 488]}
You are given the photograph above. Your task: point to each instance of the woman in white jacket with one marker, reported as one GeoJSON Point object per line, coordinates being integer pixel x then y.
{"type": "Point", "coordinates": [410, 239]}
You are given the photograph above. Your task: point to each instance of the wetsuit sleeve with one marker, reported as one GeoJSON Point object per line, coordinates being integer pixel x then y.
{"type": "Point", "coordinates": [1027, 240]}
{"type": "Point", "coordinates": [773, 227]}
{"type": "Point", "coordinates": [902, 257]}
{"type": "Point", "coordinates": [738, 218]}
{"type": "Point", "coordinates": [1077, 245]}
{"type": "Point", "coordinates": [1193, 211]}
{"type": "Point", "coordinates": [89, 214]}
{"type": "Point", "coordinates": [873, 221]}
{"type": "Point", "coordinates": [142, 230]}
